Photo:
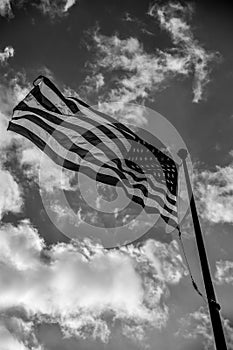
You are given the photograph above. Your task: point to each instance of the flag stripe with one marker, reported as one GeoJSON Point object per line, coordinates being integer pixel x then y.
{"type": "Point", "coordinates": [58, 145]}
{"type": "Point", "coordinates": [71, 149]}
{"type": "Point", "coordinates": [101, 177]}
{"type": "Point", "coordinates": [97, 145]}
{"type": "Point", "coordinates": [103, 118]}
{"type": "Point", "coordinates": [75, 132]}
{"type": "Point", "coordinates": [58, 159]}
{"type": "Point", "coordinates": [45, 108]}
{"type": "Point", "coordinates": [105, 150]}
{"type": "Point", "coordinates": [77, 127]}
{"type": "Point", "coordinates": [59, 102]}
{"type": "Point", "coordinates": [54, 91]}
{"type": "Point", "coordinates": [43, 101]}
{"type": "Point", "coordinates": [76, 121]}
{"type": "Point", "coordinates": [81, 127]}
{"type": "Point", "coordinates": [71, 154]}
{"type": "Point", "coordinates": [62, 138]}
{"type": "Point", "coordinates": [87, 110]}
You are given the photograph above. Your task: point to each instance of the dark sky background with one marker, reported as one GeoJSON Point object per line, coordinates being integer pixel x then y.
{"type": "Point", "coordinates": [157, 54]}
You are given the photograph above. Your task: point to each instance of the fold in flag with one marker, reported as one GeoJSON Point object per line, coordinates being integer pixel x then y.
{"type": "Point", "coordinates": [79, 138]}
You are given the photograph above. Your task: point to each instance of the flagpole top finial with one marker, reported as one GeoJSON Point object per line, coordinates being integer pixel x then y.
{"type": "Point", "coordinates": [182, 153]}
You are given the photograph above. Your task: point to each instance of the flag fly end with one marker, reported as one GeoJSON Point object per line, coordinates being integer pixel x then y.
{"type": "Point", "coordinates": [38, 80]}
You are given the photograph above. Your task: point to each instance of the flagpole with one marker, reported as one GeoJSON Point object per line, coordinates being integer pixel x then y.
{"type": "Point", "coordinates": [214, 307]}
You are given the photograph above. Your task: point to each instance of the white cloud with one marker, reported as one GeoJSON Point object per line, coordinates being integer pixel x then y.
{"type": "Point", "coordinates": [197, 324]}
{"type": "Point", "coordinates": [129, 284]}
{"type": "Point", "coordinates": [143, 73]}
{"type": "Point", "coordinates": [43, 170]}
{"type": "Point", "coordinates": [20, 246]}
{"type": "Point", "coordinates": [95, 82]}
{"type": "Point", "coordinates": [5, 8]}
{"type": "Point", "coordinates": [69, 4]}
{"type": "Point", "coordinates": [6, 54]}
{"type": "Point", "coordinates": [47, 7]}
{"type": "Point", "coordinates": [135, 333]}
{"type": "Point", "coordinates": [132, 115]}
{"type": "Point", "coordinates": [17, 334]}
{"type": "Point", "coordinates": [173, 18]}
{"type": "Point", "coordinates": [5, 136]}
{"type": "Point", "coordinates": [157, 252]}
{"type": "Point", "coordinates": [215, 194]}
{"type": "Point", "coordinates": [10, 194]}
{"type": "Point", "coordinates": [224, 272]}
{"type": "Point", "coordinates": [8, 341]}
{"type": "Point", "coordinates": [55, 9]}
{"type": "Point", "coordinates": [132, 285]}
{"type": "Point", "coordinates": [12, 92]}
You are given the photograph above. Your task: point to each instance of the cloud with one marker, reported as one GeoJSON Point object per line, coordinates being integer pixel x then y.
{"type": "Point", "coordinates": [17, 334]}
{"type": "Point", "coordinates": [129, 286]}
{"type": "Point", "coordinates": [55, 9]}
{"type": "Point", "coordinates": [224, 272]}
{"type": "Point", "coordinates": [173, 18]}
{"type": "Point", "coordinates": [20, 247]}
{"type": "Point", "coordinates": [5, 136]}
{"type": "Point", "coordinates": [8, 341]}
{"type": "Point", "coordinates": [29, 156]}
{"type": "Point", "coordinates": [10, 194]}
{"type": "Point", "coordinates": [142, 72]}
{"type": "Point", "coordinates": [49, 8]}
{"type": "Point", "coordinates": [95, 82]}
{"type": "Point", "coordinates": [6, 54]}
{"type": "Point", "coordinates": [13, 90]}
{"type": "Point", "coordinates": [44, 171]}
{"type": "Point", "coordinates": [215, 194]}
{"type": "Point", "coordinates": [69, 4]}
{"type": "Point", "coordinates": [132, 74]}
{"type": "Point", "coordinates": [5, 8]}
{"type": "Point", "coordinates": [197, 324]}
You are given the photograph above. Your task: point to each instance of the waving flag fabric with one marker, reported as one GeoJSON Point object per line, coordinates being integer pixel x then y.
{"type": "Point", "coordinates": [79, 138]}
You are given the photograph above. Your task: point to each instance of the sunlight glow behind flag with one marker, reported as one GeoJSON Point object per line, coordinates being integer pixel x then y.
{"type": "Point", "coordinates": [79, 138]}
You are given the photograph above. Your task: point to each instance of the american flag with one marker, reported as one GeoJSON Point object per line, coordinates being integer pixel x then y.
{"type": "Point", "coordinates": [79, 138]}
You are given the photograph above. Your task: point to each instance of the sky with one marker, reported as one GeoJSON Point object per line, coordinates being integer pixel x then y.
{"type": "Point", "coordinates": [172, 57]}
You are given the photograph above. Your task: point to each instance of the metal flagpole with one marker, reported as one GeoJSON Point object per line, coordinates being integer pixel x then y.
{"type": "Point", "coordinates": [214, 307]}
